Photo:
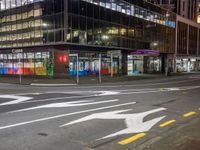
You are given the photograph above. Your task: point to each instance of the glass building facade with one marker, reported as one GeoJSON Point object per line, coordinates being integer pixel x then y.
{"type": "Point", "coordinates": [188, 39]}
{"type": "Point", "coordinates": [120, 24]}
{"type": "Point", "coordinates": [85, 27]}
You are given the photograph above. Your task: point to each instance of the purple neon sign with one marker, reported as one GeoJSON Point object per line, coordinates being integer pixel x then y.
{"type": "Point", "coordinates": [145, 52]}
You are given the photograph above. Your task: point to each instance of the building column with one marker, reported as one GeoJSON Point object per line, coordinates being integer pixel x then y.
{"type": "Point", "coordinates": [65, 19]}
{"type": "Point", "coordinates": [176, 48]}
{"type": "Point", "coordinates": [197, 41]}
{"type": "Point", "coordinates": [197, 61]}
{"type": "Point", "coordinates": [188, 40]}
{"type": "Point", "coordinates": [124, 63]}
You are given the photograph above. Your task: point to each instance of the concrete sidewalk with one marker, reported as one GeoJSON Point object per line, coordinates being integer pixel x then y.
{"type": "Point", "coordinates": [186, 137]}
{"type": "Point", "coordinates": [82, 80]}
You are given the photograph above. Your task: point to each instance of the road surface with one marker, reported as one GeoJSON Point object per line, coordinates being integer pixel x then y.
{"type": "Point", "coordinates": [117, 116]}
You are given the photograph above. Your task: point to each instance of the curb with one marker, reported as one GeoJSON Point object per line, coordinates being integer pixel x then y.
{"type": "Point", "coordinates": [38, 84]}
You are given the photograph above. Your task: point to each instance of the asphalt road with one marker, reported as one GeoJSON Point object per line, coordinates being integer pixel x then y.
{"type": "Point", "coordinates": [118, 116]}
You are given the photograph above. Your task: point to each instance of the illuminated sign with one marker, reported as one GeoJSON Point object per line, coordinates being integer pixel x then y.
{"type": "Point", "coordinates": [14, 51]}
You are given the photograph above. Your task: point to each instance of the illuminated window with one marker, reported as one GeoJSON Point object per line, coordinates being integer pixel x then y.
{"type": "Point", "coordinates": [19, 16]}
{"type": "Point", "coordinates": [13, 18]}
{"type": "Point", "coordinates": [37, 23]}
{"type": "Point", "coordinates": [198, 19]}
{"type": "Point", "coordinates": [30, 13]}
{"type": "Point", "coordinates": [37, 12]}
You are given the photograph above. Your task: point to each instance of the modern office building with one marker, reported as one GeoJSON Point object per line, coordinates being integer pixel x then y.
{"type": "Point", "coordinates": [198, 11]}
{"type": "Point", "coordinates": [185, 8]}
{"type": "Point", "coordinates": [187, 45]}
{"type": "Point", "coordinates": [45, 37]}
{"type": "Point", "coordinates": [187, 32]}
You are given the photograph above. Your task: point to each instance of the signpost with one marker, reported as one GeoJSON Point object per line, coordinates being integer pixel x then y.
{"type": "Point", "coordinates": [18, 51]}
{"type": "Point", "coordinates": [111, 56]}
{"type": "Point", "coordinates": [99, 68]}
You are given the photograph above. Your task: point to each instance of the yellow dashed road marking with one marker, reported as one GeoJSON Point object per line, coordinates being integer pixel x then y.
{"type": "Point", "coordinates": [141, 135]}
{"type": "Point", "coordinates": [167, 123]}
{"type": "Point", "coordinates": [189, 114]}
{"type": "Point", "coordinates": [132, 139]}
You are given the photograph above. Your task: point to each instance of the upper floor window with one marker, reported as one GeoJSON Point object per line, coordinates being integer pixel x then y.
{"type": "Point", "coordinates": [8, 4]}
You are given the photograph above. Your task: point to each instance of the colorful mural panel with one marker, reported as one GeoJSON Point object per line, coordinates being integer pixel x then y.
{"type": "Point", "coordinates": [30, 63]}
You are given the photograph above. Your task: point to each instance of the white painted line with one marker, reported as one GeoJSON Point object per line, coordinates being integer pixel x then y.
{"type": "Point", "coordinates": [38, 84]}
{"type": "Point", "coordinates": [58, 98]}
{"type": "Point", "coordinates": [63, 115]}
{"type": "Point", "coordinates": [117, 92]}
{"type": "Point", "coordinates": [20, 94]}
{"type": "Point", "coordinates": [87, 96]}
{"type": "Point", "coordinates": [161, 90]}
{"type": "Point", "coordinates": [100, 93]}
{"type": "Point", "coordinates": [67, 104]}
{"type": "Point", "coordinates": [17, 99]}
{"type": "Point", "coordinates": [128, 85]}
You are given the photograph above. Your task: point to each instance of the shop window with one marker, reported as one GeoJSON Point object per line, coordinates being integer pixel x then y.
{"type": "Point", "coordinates": [29, 64]}
{"type": "Point", "coordinates": [1, 64]}
{"type": "Point", "coordinates": [39, 69]}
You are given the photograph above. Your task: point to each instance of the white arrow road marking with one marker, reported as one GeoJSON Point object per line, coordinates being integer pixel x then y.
{"type": "Point", "coordinates": [67, 104]}
{"type": "Point", "coordinates": [134, 122]}
{"type": "Point", "coordinates": [64, 115]}
{"type": "Point", "coordinates": [18, 99]}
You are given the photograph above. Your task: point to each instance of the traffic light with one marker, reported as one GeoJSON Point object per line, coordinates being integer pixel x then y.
{"type": "Point", "coordinates": [63, 58]}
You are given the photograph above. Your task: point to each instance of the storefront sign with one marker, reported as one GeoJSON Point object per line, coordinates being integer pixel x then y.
{"type": "Point", "coordinates": [145, 52]}
{"type": "Point", "coordinates": [14, 51]}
